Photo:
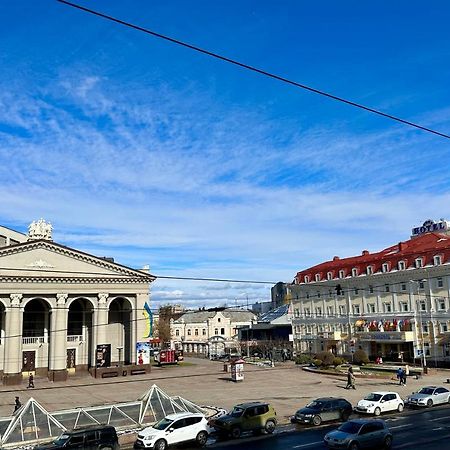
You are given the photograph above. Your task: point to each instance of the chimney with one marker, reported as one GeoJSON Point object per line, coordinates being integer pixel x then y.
{"type": "Point", "coordinates": [402, 246]}
{"type": "Point", "coordinates": [335, 258]}
{"type": "Point", "coordinates": [365, 252]}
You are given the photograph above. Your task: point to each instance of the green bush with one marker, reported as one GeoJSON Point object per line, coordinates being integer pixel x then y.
{"type": "Point", "coordinates": [327, 358]}
{"type": "Point", "coordinates": [360, 357]}
{"type": "Point", "coordinates": [303, 359]}
{"type": "Point", "coordinates": [337, 361]}
{"type": "Point", "coordinates": [317, 362]}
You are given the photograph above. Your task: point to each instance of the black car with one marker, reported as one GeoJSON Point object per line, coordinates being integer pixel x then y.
{"type": "Point", "coordinates": [323, 410]}
{"type": "Point", "coordinates": [101, 437]}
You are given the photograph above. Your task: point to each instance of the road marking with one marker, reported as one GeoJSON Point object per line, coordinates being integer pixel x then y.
{"type": "Point", "coordinates": [307, 445]}
{"type": "Point", "coordinates": [440, 418]}
{"type": "Point", "coordinates": [401, 426]}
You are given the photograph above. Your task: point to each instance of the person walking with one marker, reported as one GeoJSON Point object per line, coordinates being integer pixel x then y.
{"type": "Point", "coordinates": [405, 374]}
{"type": "Point", "coordinates": [30, 381]}
{"type": "Point", "coordinates": [350, 379]}
{"type": "Point", "coordinates": [17, 404]}
{"type": "Point", "coordinates": [400, 376]}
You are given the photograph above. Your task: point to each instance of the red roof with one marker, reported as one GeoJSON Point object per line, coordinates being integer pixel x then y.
{"type": "Point", "coordinates": [426, 247]}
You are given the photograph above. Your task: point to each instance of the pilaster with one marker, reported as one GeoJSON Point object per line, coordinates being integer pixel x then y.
{"type": "Point", "coordinates": [13, 341]}
{"type": "Point", "coordinates": [58, 340]}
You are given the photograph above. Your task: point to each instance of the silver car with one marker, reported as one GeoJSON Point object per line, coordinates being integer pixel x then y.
{"type": "Point", "coordinates": [429, 396]}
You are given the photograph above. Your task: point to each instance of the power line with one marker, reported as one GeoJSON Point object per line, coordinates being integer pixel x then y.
{"type": "Point", "coordinates": [255, 69]}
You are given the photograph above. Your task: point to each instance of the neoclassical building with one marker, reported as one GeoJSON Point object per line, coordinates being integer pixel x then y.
{"type": "Point", "coordinates": [393, 303]}
{"type": "Point", "coordinates": [59, 306]}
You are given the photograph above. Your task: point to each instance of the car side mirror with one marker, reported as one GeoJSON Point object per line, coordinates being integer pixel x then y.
{"type": "Point", "coordinates": [171, 429]}
{"type": "Point", "coordinates": [382, 401]}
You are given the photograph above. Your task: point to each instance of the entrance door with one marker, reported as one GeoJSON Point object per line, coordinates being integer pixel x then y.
{"type": "Point", "coordinates": [71, 353]}
{"type": "Point", "coordinates": [28, 361]}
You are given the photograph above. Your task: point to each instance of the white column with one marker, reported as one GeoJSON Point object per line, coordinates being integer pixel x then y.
{"type": "Point", "coordinates": [101, 322]}
{"type": "Point", "coordinates": [13, 340]}
{"type": "Point", "coordinates": [58, 339]}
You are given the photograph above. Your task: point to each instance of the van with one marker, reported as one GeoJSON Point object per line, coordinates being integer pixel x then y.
{"type": "Point", "coordinates": [100, 437]}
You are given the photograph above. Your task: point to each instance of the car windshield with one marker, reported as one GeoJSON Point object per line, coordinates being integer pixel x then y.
{"type": "Point", "coordinates": [427, 391]}
{"type": "Point", "coordinates": [237, 411]}
{"type": "Point", "coordinates": [162, 424]}
{"type": "Point", "coordinates": [315, 405]}
{"type": "Point", "coordinates": [350, 427]}
{"type": "Point", "coordinates": [61, 440]}
{"type": "Point", "coordinates": [373, 397]}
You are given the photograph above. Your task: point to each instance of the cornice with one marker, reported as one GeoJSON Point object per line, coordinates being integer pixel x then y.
{"type": "Point", "coordinates": [70, 280]}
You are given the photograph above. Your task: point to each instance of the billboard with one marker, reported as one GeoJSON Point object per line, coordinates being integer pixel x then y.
{"type": "Point", "coordinates": [142, 353]}
{"type": "Point", "coordinates": [103, 355]}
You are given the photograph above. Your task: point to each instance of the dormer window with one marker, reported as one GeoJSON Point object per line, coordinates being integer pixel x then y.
{"type": "Point", "coordinates": [385, 267]}
{"type": "Point", "coordinates": [317, 276]}
{"type": "Point", "coordinates": [306, 279]}
{"type": "Point", "coordinates": [341, 273]}
{"type": "Point", "coordinates": [419, 263]}
{"type": "Point", "coordinates": [369, 270]}
{"type": "Point", "coordinates": [437, 260]}
{"type": "Point", "coordinates": [329, 275]}
{"type": "Point", "coordinates": [401, 265]}
{"type": "Point", "coordinates": [354, 272]}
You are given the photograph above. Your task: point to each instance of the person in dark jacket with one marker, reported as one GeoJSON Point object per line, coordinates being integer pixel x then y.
{"type": "Point", "coordinates": [350, 379]}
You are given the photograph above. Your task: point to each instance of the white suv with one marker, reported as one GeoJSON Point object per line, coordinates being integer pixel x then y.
{"type": "Point", "coordinates": [378, 402]}
{"type": "Point", "coordinates": [174, 429]}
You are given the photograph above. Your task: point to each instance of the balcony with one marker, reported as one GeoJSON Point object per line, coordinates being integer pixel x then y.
{"type": "Point", "coordinates": [75, 338]}
{"type": "Point", "coordinates": [36, 340]}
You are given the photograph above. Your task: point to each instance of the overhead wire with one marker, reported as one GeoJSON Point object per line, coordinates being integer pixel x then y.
{"type": "Point", "coordinates": [255, 69]}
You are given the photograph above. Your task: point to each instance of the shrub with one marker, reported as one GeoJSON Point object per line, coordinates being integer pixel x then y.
{"type": "Point", "coordinates": [360, 357]}
{"type": "Point", "coordinates": [317, 362]}
{"type": "Point", "coordinates": [303, 359]}
{"type": "Point", "coordinates": [327, 358]}
{"type": "Point", "coordinates": [337, 361]}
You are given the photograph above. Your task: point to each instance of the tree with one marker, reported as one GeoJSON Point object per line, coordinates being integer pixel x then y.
{"type": "Point", "coordinates": [162, 328]}
{"type": "Point", "coordinates": [360, 357]}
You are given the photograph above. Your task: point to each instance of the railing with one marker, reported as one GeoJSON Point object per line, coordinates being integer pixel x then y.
{"type": "Point", "coordinates": [75, 338]}
{"type": "Point", "coordinates": [33, 340]}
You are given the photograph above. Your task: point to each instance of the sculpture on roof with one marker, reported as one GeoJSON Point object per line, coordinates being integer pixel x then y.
{"type": "Point", "coordinates": [40, 229]}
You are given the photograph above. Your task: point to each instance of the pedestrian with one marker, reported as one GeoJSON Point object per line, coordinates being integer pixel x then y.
{"type": "Point", "coordinates": [17, 404]}
{"type": "Point", "coordinates": [405, 374]}
{"type": "Point", "coordinates": [30, 381]}
{"type": "Point", "coordinates": [400, 375]}
{"type": "Point", "coordinates": [350, 379]}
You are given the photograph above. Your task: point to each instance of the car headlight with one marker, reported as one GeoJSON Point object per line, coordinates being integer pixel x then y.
{"type": "Point", "coordinates": [422, 400]}
{"type": "Point", "coordinates": [149, 438]}
{"type": "Point", "coordinates": [308, 415]}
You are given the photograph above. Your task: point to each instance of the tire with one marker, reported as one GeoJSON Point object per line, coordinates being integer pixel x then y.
{"type": "Point", "coordinates": [270, 426]}
{"type": "Point", "coordinates": [377, 411]}
{"type": "Point", "coordinates": [160, 444]}
{"type": "Point", "coordinates": [201, 438]}
{"type": "Point", "coordinates": [317, 420]}
{"type": "Point", "coordinates": [353, 446]}
{"type": "Point", "coordinates": [345, 416]}
{"type": "Point", "coordinates": [429, 403]}
{"type": "Point", "coordinates": [387, 444]}
{"type": "Point", "coordinates": [235, 432]}
{"type": "Point", "coordinates": [400, 407]}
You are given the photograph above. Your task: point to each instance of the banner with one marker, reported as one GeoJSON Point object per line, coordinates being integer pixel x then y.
{"type": "Point", "coordinates": [142, 353]}
{"type": "Point", "coordinates": [103, 355]}
{"type": "Point", "coordinates": [149, 325]}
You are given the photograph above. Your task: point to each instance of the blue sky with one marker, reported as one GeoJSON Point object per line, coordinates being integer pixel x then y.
{"type": "Point", "coordinates": [148, 152]}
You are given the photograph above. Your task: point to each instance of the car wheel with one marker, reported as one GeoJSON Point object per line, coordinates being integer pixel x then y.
{"type": "Point", "coordinates": [400, 407]}
{"type": "Point", "coordinates": [429, 403]}
{"type": "Point", "coordinates": [201, 438]}
{"type": "Point", "coordinates": [387, 444]}
{"type": "Point", "coordinates": [317, 420]}
{"type": "Point", "coordinates": [377, 411]}
{"type": "Point", "coordinates": [270, 426]}
{"type": "Point", "coordinates": [160, 444]}
{"type": "Point", "coordinates": [353, 446]}
{"type": "Point", "coordinates": [345, 416]}
{"type": "Point", "coordinates": [235, 432]}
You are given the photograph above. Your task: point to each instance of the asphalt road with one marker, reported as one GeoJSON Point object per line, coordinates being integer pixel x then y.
{"type": "Point", "coordinates": [413, 429]}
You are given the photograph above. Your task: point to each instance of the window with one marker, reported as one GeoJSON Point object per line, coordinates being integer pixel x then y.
{"type": "Point", "coordinates": [204, 332]}
{"type": "Point", "coordinates": [192, 420]}
{"type": "Point", "coordinates": [329, 275]}
{"type": "Point", "coordinates": [196, 332]}
{"type": "Point", "coordinates": [387, 307]}
{"type": "Point", "coordinates": [77, 441]}
{"type": "Point", "coordinates": [369, 270]}
{"type": "Point", "coordinates": [341, 273]}
{"type": "Point", "coordinates": [318, 294]}
{"type": "Point", "coordinates": [419, 263]}
{"type": "Point", "coordinates": [425, 328]}
{"type": "Point", "coordinates": [444, 327]}
{"type": "Point", "coordinates": [307, 295]}
{"type": "Point", "coordinates": [216, 331]}
{"type": "Point", "coordinates": [446, 349]}
{"type": "Point", "coordinates": [218, 320]}
{"type": "Point", "coordinates": [371, 307]}
{"type": "Point", "coordinates": [177, 332]}
{"type": "Point", "coordinates": [222, 331]}
{"type": "Point", "coordinates": [371, 289]}
{"type": "Point", "coordinates": [440, 282]}
{"type": "Point", "coordinates": [427, 348]}
{"type": "Point", "coordinates": [437, 260]}
{"type": "Point", "coordinates": [441, 304]}
{"type": "Point", "coordinates": [386, 288]}
{"type": "Point", "coordinates": [306, 279]}
{"type": "Point", "coordinates": [179, 424]}
{"type": "Point", "coordinates": [354, 272]}
{"type": "Point", "coordinates": [403, 287]}
{"type": "Point", "coordinates": [401, 265]}
{"type": "Point", "coordinates": [422, 306]}
{"type": "Point", "coordinates": [189, 332]}
{"type": "Point", "coordinates": [317, 276]}
{"type": "Point", "coordinates": [318, 311]}
{"type": "Point", "coordinates": [296, 312]}
{"type": "Point", "coordinates": [421, 284]}
{"type": "Point", "coordinates": [330, 310]}
{"type": "Point", "coordinates": [385, 267]}
{"type": "Point", "coordinates": [403, 306]}
{"type": "Point", "coordinates": [356, 309]}
{"type": "Point", "coordinates": [341, 310]}
{"type": "Point", "coordinates": [90, 438]}
{"type": "Point", "coordinates": [356, 291]}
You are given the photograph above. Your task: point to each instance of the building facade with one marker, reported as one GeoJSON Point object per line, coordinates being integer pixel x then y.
{"type": "Point", "coordinates": [394, 303]}
{"type": "Point", "coordinates": [210, 332]}
{"type": "Point", "coordinates": [58, 304]}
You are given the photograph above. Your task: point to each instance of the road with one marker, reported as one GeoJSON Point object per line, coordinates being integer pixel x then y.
{"type": "Point", "coordinates": [418, 429]}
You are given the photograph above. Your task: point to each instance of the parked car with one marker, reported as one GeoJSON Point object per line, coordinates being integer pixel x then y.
{"type": "Point", "coordinates": [379, 402]}
{"type": "Point", "coordinates": [254, 416]}
{"type": "Point", "coordinates": [323, 410]}
{"type": "Point", "coordinates": [360, 433]}
{"type": "Point", "coordinates": [174, 429]}
{"type": "Point", "coordinates": [89, 438]}
{"type": "Point", "coordinates": [429, 396]}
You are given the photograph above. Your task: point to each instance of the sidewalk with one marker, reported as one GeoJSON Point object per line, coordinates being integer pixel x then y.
{"type": "Point", "coordinates": [286, 386]}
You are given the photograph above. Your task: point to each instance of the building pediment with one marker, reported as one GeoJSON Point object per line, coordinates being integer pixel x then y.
{"type": "Point", "coordinates": [46, 259]}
